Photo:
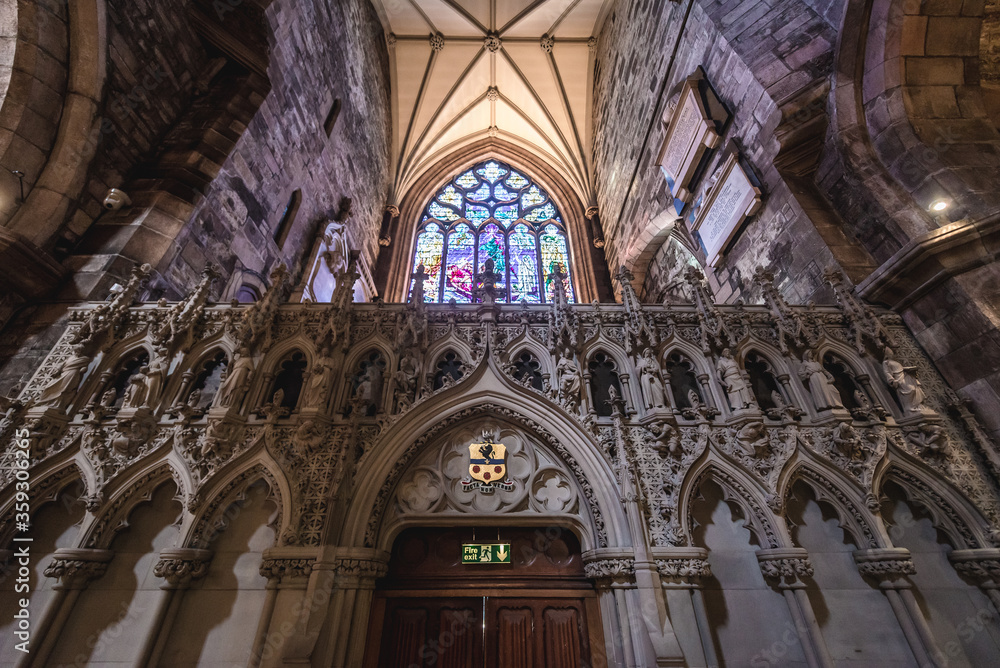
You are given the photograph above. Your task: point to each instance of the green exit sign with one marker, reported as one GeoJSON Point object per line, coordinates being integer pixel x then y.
{"type": "Point", "coordinates": [486, 553]}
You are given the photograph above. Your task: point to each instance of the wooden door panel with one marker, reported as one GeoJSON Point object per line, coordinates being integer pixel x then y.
{"type": "Point", "coordinates": [432, 632]}
{"type": "Point", "coordinates": [536, 633]}
{"type": "Point", "coordinates": [515, 646]}
{"type": "Point", "coordinates": [564, 637]}
{"type": "Point", "coordinates": [407, 634]}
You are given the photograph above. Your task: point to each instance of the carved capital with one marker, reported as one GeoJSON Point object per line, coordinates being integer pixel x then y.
{"type": "Point", "coordinates": [888, 565]}
{"type": "Point", "coordinates": [361, 568]}
{"type": "Point", "coordinates": [617, 570]}
{"type": "Point", "coordinates": [180, 567]}
{"type": "Point", "coordinates": [279, 569]}
{"type": "Point", "coordinates": [785, 566]}
{"type": "Point", "coordinates": [981, 565]}
{"type": "Point", "coordinates": [76, 567]}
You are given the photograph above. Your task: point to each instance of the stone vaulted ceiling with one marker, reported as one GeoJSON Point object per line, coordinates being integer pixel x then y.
{"type": "Point", "coordinates": [467, 70]}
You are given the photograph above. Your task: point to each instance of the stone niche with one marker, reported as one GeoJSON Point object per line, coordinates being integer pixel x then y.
{"type": "Point", "coordinates": [732, 196]}
{"type": "Point", "coordinates": [694, 127]}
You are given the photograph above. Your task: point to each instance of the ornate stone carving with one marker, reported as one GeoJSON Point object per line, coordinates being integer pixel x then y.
{"type": "Point", "coordinates": [785, 565]}
{"type": "Point", "coordinates": [437, 42]}
{"type": "Point", "coordinates": [547, 42]}
{"type": "Point", "coordinates": [904, 381]}
{"type": "Point", "coordinates": [180, 567]}
{"type": "Point", "coordinates": [653, 394]}
{"type": "Point", "coordinates": [731, 376]}
{"type": "Point", "coordinates": [75, 568]}
{"type": "Point", "coordinates": [279, 569]}
{"type": "Point", "coordinates": [820, 383]}
{"type": "Point", "coordinates": [491, 42]}
{"type": "Point", "coordinates": [361, 568]}
{"type": "Point", "coordinates": [616, 570]}
{"type": "Point", "coordinates": [683, 569]}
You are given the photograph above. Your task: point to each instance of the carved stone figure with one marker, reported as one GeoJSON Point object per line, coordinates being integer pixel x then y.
{"type": "Point", "coordinates": [820, 382]}
{"type": "Point", "coordinates": [932, 439]}
{"type": "Point", "coordinates": [60, 390]}
{"type": "Point", "coordinates": [367, 391]}
{"type": "Point", "coordinates": [406, 381]}
{"type": "Point", "coordinates": [751, 437]}
{"type": "Point", "coordinates": [667, 440]}
{"type": "Point", "coordinates": [135, 393]}
{"type": "Point", "coordinates": [237, 380]}
{"type": "Point", "coordinates": [731, 377]}
{"type": "Point", "coordinates": [569, 380]}
{"type": "Point", "coordinates": [904, 380]}
{"type": "Point", "coordinates": [156, 377]}
{"type": "Point", "coordinates": [320, 382]}
{"type": "Point", "coordinates": [847, 441]}
{"type": "Point", "coordinates": [653, 393]}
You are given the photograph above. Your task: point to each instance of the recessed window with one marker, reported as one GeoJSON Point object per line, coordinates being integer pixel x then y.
{"type": "Point", "coordinates": [287, 218]}
{"type": "Point", "coordinates": [331, 117]}
{"type": "Point", "coordinates": [247, 294]}
{"type": "Point", "coordinates": [492, 212]}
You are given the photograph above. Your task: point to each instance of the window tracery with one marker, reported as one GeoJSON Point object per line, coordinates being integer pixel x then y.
{"type": "Point", "coordinates": [492, 211]}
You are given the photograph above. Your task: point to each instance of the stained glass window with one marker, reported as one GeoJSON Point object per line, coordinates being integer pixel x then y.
{"type": "Point", "coordinates": [492, 212]}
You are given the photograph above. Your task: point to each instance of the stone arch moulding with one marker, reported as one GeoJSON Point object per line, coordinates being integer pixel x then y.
{"type": "Point", "coordinates": [396, 267]}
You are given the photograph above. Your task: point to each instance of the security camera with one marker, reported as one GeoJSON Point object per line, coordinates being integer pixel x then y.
{"type": "Point", "coordinates": [116, 199]}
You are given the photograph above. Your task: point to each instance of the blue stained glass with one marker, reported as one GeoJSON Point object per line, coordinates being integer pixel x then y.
{"type": "Point", "coordinates": [516, 181]}
{"type": "Point", "coordinates": [554, 255]}
{"type": "Point", "coordinates": [467, 180]}
{"type": "Point", "coordinates": [430, 244]}
{"type": "Point", "coordinates": [459, 272]}
{"type": "Point", "coordinates": [450, 196]}
{"type": "Point", "coordinates": [442, 212]}
{"type": "Point", "coordinates": [476, 214]}
{"type": "Point", "coordinates": [482, 194]}
{"type": "Point", "coordinates": [523, 266]}
{"type": "Point", "coordinates": [505, 215]}
{"type": "Point", "coordinates": [491, 171]}
{"type": "Point", "coordinates": [542, 213]}
{"type": "Point", "coordinates": [502, 194]}
{"type": "Point", "coordinates": [533, 197]}
{"type": "Point", "coordinates": [491, 246]}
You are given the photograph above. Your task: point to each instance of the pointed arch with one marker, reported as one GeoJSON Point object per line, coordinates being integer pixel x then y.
{"type": "Point", "coordinates": [230, 489]}
{"type": "Point", "coordinates": [54, 483]}
{"type": "Point", "coordinates": [114, 515]}
{"type": "Point", "coordinates": [835, 491]}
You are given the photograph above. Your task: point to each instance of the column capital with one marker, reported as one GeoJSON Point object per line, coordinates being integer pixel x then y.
{"type": "Point", "coordinates": [75, 568]}
{"type": "Point", "coordinates": [179, 567]}
{"type": "Point", "coordinates": [981, 565]}
{"type": "Point", "coordinates": [682, 566]}
{"type": "Point", "coordinates": [786, 566]}
{"type": "Point", "coordinates": [610, 567]}
{"type": "Point", "coordinates": [888, 565]}
{"type": "Point", "coordinates": [282, 564]}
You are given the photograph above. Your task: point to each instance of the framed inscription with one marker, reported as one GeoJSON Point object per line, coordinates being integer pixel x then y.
{"type": "Point", "coordinates": [727, 204]}
{"type": "Point", "coordinates": [690, 132]}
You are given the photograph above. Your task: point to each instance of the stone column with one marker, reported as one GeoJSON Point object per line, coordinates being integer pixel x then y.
{"type": "Point", "coordinates": [285, 569]}
{"type": "Point", "coordinates": [613, 578]}
{"type": "Point", "coordinates": [179, 567]}
{"type": "Point", "coordinates": [352, 602]}
{"type": "Point", "coordinates": [784, 568]}
{"type": "Point", "coordinates": [685, 569]}
{"type": "Point", "coordinates": [75, 569]}
{"type": "Point", "coordinates": [889, 566]}
{"type": "Point", "coordinates": [983, 567]}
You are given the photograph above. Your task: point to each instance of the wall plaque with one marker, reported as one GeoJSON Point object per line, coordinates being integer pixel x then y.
{"type": "Point", "coordinates": [690, 133]}
{"type": "Point", "coordinates": [727, 204]}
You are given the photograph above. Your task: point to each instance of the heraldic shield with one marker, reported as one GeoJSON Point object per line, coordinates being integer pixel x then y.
{"type": "Point", "coordinates": [487, 462]}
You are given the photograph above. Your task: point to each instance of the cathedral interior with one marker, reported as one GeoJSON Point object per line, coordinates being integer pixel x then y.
{"type": "Point", "coordinates": [500, 333]}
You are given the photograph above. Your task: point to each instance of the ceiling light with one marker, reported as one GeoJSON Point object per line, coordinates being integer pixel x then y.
{"type": "Point", "coordinates": [939, 205]}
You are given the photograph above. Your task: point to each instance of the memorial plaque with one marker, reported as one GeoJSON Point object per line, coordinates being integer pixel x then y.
{"type": "Point", "coordinates": [690, 133]}
{"type": "Point", "coordinates": [726, 206]}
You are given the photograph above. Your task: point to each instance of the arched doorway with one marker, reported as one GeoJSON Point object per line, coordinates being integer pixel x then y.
{"type": "Point", "coordinates": [432, 609]}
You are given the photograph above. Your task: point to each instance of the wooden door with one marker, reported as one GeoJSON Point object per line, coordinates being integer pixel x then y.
{"type": "Point", "coordinates": [440, 632]}
{"type": "Point", "coordinates": [536, 633]}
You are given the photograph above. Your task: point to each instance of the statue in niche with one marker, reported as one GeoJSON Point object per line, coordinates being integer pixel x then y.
{"type": "Point", "coordinates": [820, 382]}
{"type": "Point", "coordinates": [653, 393]}
{"type": "Point", "coordinates": [569, 380]}
{"type": "Point", "coordinates": [156, 376]}
{"type": "Point", "coordinates": [366, 392]}
{"type": "Point", "coordinates": [237, 380]}
{"type": "Point", "coordinates": [735, 385]}
{"type": "Point", "coordinates": [406, 381]}
{"type": "Point", "coordinates": [320, 382]}
{"type": "Point", "coordinates": [66, 382]}
{"type": "Point", "coordinates": [135, 393]}
{"type": "Point", "coordinates": [904, 380]}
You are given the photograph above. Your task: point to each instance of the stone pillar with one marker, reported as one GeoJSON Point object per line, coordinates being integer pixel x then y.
{"type": "Point", "coordinates": [75, 568]}
{"type": "Point", "coordinates": [784, 568]}
{"type": "Point", "coordinates": [685, 569]}
{"type": "Point", "coordinates": [983, 567]}
{"type": "Point", "coordinates": [285, 569]}
{"type": "Point", "coordinates": [889, 566]}
{"type": "Point", "coordinates": [179, 567]}
{"type": "Point", "coordinates": [614, 578]}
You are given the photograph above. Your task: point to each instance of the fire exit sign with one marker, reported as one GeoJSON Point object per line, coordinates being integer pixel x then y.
{"type": "Point", "coordinates": [486, 553]}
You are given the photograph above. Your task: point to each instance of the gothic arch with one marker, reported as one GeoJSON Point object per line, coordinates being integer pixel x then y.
{"type": "Point", "coordinates": [950, 511]}
{"type": "Point", "coordinates": [114, 514]}
{"type": "Point", "coordinates": [413, 202]}
{"type": "Point", "coordinates": [226, 489]}
{"type": "Point", "coordinates": [53, 483]}
{"type": "Point", "coordinates": [832, 488]}
{"type": "Point", "coordinates": [379, 471]}
{"type": "Point", "coordinates": [739, 489]}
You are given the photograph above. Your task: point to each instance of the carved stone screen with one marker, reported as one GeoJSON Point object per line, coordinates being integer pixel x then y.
{"type": "Point", "coordinates": [726, 206]}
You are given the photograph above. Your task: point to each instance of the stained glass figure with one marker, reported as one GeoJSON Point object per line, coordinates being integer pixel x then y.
{"type": "Point", "coordinates": [459, 273]}
{"type": "Point", "coordinates": [523, 266]}
{"type": "Point", "coordinates": [492, 212]}
{"type": "Point", "coordinates": [554, 255]}
{"type": "Point", "coordinates": [492, 245]}
{"type": "Point", "coordinates": [430, 245]}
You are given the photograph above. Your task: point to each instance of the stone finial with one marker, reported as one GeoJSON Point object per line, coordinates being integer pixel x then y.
{"type": "Point", "coordinates": [547, 42]}
{"type": "Point", "coordinates": [437, 42]}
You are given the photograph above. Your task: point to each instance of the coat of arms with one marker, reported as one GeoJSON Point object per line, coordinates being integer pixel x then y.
{"type": "Point", "coordinates": [487, 468]}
